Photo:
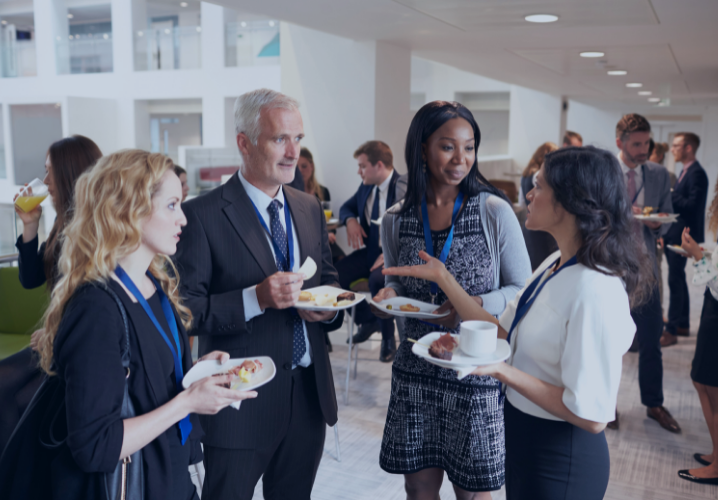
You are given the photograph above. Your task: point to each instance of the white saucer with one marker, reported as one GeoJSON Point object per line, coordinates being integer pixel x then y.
{"type": "Point", "coordinates": [460, 359]}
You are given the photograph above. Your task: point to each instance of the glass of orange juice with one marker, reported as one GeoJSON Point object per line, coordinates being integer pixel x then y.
{"type": "Point", "coordinates": [327, 207]}
{"type": "Point", "coordinates": [31, 195]}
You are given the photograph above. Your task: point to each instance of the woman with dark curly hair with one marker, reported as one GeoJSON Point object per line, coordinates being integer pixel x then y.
{"type": "Point", "coordinates": [568, 329]}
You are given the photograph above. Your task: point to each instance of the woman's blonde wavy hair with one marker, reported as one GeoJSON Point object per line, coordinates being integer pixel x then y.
{"type": "Point", "coordinates": [111, 202]}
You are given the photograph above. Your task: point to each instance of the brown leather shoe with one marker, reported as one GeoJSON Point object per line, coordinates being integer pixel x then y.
{"type": "Point", "coordinates": [614, 424]}
{"type": "Point", "coordinates": [668, 339]}
{"type": "Point", "coordinates": [682, 332]}
{"type": "Point", "coordinates": [664, 419]}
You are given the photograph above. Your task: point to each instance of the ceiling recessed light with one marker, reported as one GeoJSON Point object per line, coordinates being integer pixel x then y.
{"type": "Point", "coordinates": [634, 85]}
{"type": "Point", "coordinates": [183, 4]}
{"type": "Point", "coordinates": [591, 53]}
{"type": "Point", "coordinates": [3, 21]}
{"type": "Point", "coordinates": [106, 36]}
{"type": "Point", "coordinates": [271, 23]}
{"type": "Point", "coordinates": [70, 16]}
{"type": "Point", "coordinates": [617, 72]}
{"type": "Point", "coordinates": [654, 99]}
{"type": "Point", "coordinates": [198, 29]}
{"type": "Point", "coordinates": [167, 31]}
{"type": "Point", "coordinates": [244, 24]}
{"type": "Point", "coordinates": [645, 92]}
{"type": "Point", "coordinates": [541, 18]}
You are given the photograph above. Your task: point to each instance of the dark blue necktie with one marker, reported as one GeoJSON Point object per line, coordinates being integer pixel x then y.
{"type": "Point", "coordinates": [373, 249]}
{"type": "Point", "coordinates": [280, 241]}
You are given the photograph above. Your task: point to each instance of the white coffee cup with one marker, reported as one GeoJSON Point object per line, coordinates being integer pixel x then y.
{"type": "Point", "coordinates": [478, 338]}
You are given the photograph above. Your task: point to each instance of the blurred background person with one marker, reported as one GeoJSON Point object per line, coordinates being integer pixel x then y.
{"type": "Point", "coordinates": [65, 161]}
{"type": "Point", "coordinates": [689, 197]}
{"type": "Point", "coordinates": [182, 174]}
{"type": "Point", "coordinates": [539, 244]}
{"type": "Point", "coordinates": [572, 139]}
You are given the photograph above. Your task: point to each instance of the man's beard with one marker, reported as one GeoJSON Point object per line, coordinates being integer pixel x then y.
{"type": "Point", "coordinates": [635, 159]}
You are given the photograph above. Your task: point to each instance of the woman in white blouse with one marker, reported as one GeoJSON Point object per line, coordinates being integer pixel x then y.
{"type": "Point", "coordinates": [568, 329]}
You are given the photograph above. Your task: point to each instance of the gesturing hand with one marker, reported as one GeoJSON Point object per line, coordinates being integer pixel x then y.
{"type": "Point", "coordinates": [280, 290]}
{"type": "Point", "coordinates": [431, 271]}
{"type": "Point", "coordinates": [355, 234]}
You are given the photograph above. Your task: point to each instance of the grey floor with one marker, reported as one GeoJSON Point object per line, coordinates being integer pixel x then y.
{"type": "Point", "coordinates": [644, 457]}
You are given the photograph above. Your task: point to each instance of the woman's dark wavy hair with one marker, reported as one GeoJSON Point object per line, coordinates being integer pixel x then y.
{"type": "Point", "coordinates": [426, 121]}
{"type": "Point", "coordinates": [588, 183]}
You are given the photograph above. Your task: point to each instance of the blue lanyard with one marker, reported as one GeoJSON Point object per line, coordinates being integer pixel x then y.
{"type": "Point", "coordinates": [449, 239]}
{"type": "Point", "coordinates": [643, 183]}
{"type": "Point", "coordinates": [185, 426]}
{"type": "Point", "coordinates": [528, 297]}
{"type": "Point", "coordinates": [290, 237]}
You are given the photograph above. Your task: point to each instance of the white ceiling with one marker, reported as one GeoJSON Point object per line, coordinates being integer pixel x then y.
{"type": "Point", "coordinates": [670, 46]}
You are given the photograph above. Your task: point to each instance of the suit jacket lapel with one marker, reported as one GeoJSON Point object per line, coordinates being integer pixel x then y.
{"type": "Point", "coordinates": [392, 189]}
{"type": "Point", "coordinates": [363, 196]}
{"type": "Point", "coordinates": [299, 213]}
{"type": "Point", "coordinates": [241, 214]}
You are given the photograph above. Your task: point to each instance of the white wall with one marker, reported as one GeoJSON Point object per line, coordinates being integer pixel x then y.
{"type": "Point", "coordinates": [34, 128]}
{"type": "Point", "coordinates": [95, 118]}
{"type": "Point", "coordinates": [535, 118]}
{"type": "Point", "coordinates": [709, 154]}
{"type": "Point", "coordinates": [596, 126]}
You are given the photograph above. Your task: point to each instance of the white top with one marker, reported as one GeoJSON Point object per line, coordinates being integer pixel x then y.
{"type": "Point", "coordinates": [638, 179]}
{"type": "Point", "coordinates": [574, 336]}
{"type": "Point", "coordinates": [249, 295]}
{"type": "Point", "coordinates": [706, 273]}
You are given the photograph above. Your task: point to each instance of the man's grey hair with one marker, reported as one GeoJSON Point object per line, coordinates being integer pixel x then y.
{"type": "Point", "coordinates": [247, 109]}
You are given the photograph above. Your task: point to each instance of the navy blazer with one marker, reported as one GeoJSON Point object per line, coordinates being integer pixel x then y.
{"type": "Point", "coordinates": [689, 200]}
{"type": "Point", "coordinates": [355, 206]}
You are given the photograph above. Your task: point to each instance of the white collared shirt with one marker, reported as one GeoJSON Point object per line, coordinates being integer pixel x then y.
{"type": "Point", "coordinates": [383, 189]}
{"type": "Point", "coordinates": [639, 181]}
{"type": "Point", "coordinates": [574, 336]}
{"type": "Point", "coordinates": [249, 295]}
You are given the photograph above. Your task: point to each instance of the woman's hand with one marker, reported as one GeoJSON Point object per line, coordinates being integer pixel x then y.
{"type": "Point", "coordinates": [491, 370]}
{"type": "Point", "coordinates": [220, 356]}
{"type": "Point", "coordinates": [433, 270]}
{"type": "Point", "coordinates": [451, 321]}
{"type": "Point", "coordinates": [383, 294]}
{"type": "Point", "coordinates": [30, 220]}
{"type": "Point", "coordinates": [210, 395]}
{"type": "Point", "coordinates": [689, 244]}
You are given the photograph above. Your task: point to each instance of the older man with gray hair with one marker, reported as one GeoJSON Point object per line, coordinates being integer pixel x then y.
{"type": "Point", "coordinates": [238, 259]}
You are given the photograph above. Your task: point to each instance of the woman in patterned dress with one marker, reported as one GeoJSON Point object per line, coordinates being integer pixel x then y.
{"type": "Point", "coordinates": [436, 423]}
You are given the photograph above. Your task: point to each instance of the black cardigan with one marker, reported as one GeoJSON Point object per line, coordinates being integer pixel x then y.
{"type": "Point", "coordinates": [87, 359]}
{"type": "Point", "coordinates": [31, 263]}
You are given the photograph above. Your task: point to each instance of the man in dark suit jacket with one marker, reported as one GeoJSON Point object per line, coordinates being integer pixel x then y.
{"type": "Point", "coordinates": [238, 260]}
{"type": "Point", "coordinates": [648, 185]}
{"type": "Point", "coordinates": [375, 195]}
{"type": "Point", "coordinates": [689, 200]}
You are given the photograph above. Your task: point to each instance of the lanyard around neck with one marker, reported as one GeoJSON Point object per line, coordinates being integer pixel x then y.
{"type": "Point", "coordinates": [449, 239]}
{"type": "Point", "coordinates": [184, 425]}
{"type": "Point", "coordinates": [290, 237]}
{"type": "Point", "coordinates": [528, 296]}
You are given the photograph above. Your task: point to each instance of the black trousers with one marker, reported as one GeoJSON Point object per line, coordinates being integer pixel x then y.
{"type": "Point", "coordinates": [356, 266]}
{"type": "Point", "coordinates": [649, 327]}
{"type": "Point", "coordinates": [553, 460]}
{"type": "Point", "coordinates": [287, 464]}
{"type": "Point", "coordinates": [679, 305]}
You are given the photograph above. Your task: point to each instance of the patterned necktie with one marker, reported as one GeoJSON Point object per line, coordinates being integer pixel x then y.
{"type": "Point", "coordinates": [279, 236]}
{"type": "Point", "coordinates": [631, 195]}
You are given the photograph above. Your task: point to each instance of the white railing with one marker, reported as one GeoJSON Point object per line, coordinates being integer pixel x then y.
{"type": "Point", "coordinates": [85, 54]}
{"type": "Point", "coordinates": [167, 49]}
{"type": "Point", "coordinates": [251, 43]}
{"type": "Point", "coordinates": [18, 58]}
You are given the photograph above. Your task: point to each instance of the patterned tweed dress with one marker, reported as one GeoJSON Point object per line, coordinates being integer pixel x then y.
{"type": "Point", "coordinates": [435, 420]}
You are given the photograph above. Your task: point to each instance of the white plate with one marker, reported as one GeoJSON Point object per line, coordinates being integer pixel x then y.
{"type": "Point", "coordinates": [668, 219]}
{"type": "Point", "coordinates": [377, 221]}
{"type": "Point", "coordinates": [331, 222]}
{"type": "Point", "coordinates": [426, 310]}
{"type": "Point", "coordinates": [211, 367]}
{"type": "Point", "coordinates": [332, 292]}
{"type": "Point", "coordinates": [502, 353]}
{"type": "Point", "coordinates": [707, 249]}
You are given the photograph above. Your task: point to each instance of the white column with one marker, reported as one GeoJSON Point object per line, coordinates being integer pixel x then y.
{"type": "Point", "coordinates": [212, 36]}
{"type": "Point", "coordinates": [122, 37]}
{"type": "Point", "coordinates": [45, 40]}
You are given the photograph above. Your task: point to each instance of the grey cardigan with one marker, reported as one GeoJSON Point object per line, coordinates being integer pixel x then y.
{"type": "Point", "coordinates": [507, 248]}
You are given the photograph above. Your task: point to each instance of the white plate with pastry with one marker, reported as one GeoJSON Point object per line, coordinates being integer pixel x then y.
{"type": "Point", "coordinates": [661, 217]}
{"type": "Point", "coordinates": [327, 298]}
{"type": "Point", "coordinates": [706, 248]}
{"type": "Point", "coordinates": [248, 373]}
{"type": "Point", "coordinates": [405, 307]}
{"type": "Point", "coordinates": [458, 359]}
